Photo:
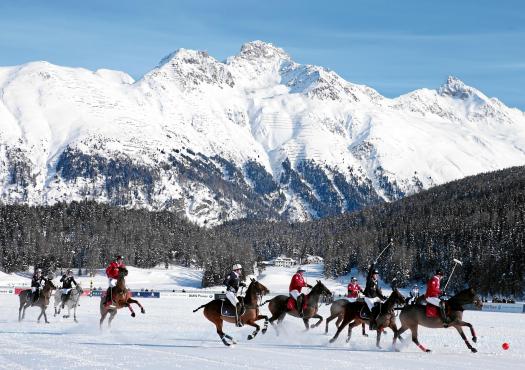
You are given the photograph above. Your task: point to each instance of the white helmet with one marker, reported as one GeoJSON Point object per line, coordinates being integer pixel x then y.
{"type": "Point", "coordinates": [237, 266]}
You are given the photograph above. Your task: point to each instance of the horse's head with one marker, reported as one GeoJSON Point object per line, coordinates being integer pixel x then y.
{"type": "Point", "coordinates": [258, 287]}
{"type": "Point", "coordinates": [320, 288]}
{"type": "Point", "coordinates": [122, 272]}
{"type": "Point", "coordinates": [466, 296]}
{"type": "Point", "coordinates": [396, 297]}
{"type": "Point", "coordinates": [79, 288]}
{"type": "Point", "coordinates": [48, 285]}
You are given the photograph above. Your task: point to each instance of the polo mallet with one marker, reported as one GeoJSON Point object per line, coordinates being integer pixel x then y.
{"type": "Point", "coordinates": [456, 262]}
{"type": "Point", "coordinates": [385, 248]}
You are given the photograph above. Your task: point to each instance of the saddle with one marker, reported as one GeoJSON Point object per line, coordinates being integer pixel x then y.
{"type": "Point", "coordinates": [228, 310]}
{"type": "Point", "coordinates": [291, 305]}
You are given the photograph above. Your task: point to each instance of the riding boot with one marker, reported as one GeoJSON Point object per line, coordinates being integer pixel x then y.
{"type": "Point", "coordinates": [443, 314]}
{"type": "Point", "coordinates": [35, 297]}
{"type": "Point", "coordinates": [299, 303]}
{"type": "Point", "coordinates": [63, 299]}
{"type": "Point", "coordinates": [373, 324]}
{"type": "Point", "coordinates": [238, 312]}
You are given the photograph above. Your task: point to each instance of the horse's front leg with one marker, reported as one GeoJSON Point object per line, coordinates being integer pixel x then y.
{"type": "Point", "coordinates": [472, 331]}
{"type": "Point", "coordinates": [265, 326]}
{"type": "Point", "coordinates": [364, 330]}
{"type": "Point", "coordinates": [41, 314]}
{"type": "Point", "coordinates": [257, 329]}
{"type": "Point", "coordinates": [378, 337]}
{"type": "Point", "coordinates": [317, 316]}
{"type": "Point", "coordinates": [131, 300]}
{"type": "Point", "coordinates": [130, 309]}
{"type": "Point", "coordinates": [339, 329]}
{"type": "Point", "coordinates": [464, 337]}
{"type": "Point", "coordinates": [306, 323]}
{"type": "Point", "coordinates": [350, 327]}
{"type": "Point", "coordinates": [45, 314]}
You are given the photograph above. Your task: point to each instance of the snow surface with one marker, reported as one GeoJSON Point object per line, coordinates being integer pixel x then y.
{"type": "Point", "coordinates": [258, 105]}
{"type": "Point", "coordinates": [170, 336]}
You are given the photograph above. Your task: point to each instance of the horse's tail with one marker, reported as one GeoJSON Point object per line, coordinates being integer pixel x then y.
{"type": "Point", "coordinates": [198, 308]}
{"type": "Point", "coordinates": [262, 304]}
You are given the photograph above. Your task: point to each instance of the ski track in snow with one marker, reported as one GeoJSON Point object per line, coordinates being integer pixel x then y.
{"type": "Point", "coordinates": [170, 336]}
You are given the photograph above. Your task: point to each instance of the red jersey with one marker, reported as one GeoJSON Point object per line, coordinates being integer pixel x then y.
{"type": "Point", "coordinates": [433, 289]}
{"type": "Point", "coordinates": [112, 269]}
{"type": "Point", "coordinates": [353, 290]}
{"type": "Point", "coordinates": [297, 283]}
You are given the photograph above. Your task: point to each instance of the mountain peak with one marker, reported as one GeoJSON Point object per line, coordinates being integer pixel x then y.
{"type": "Point", "coordinates": [259, 49]}
{"type": "Point", "coordinates": [185, 55]}
{"type": "Point", "coordinates": [456, 88]}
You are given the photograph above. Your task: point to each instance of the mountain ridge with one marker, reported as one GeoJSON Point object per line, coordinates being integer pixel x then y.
{"type": "Point", "coordinates": [257, 135]}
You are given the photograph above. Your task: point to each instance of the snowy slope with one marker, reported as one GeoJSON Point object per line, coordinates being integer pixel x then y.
{"type": "Point", "coordinates": [171, 336]}
{"type": "Point", "coordinates": [256, 135]}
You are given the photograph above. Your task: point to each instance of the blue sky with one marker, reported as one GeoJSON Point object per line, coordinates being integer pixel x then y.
{"type": "Point", "coordinates": [392, 46]}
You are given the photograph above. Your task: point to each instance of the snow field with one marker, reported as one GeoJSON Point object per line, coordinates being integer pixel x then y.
{"type": "Point", "coordinates": [170, 336]}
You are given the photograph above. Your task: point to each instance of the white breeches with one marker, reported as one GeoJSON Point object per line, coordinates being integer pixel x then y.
{"type": "Point", "coordinates": [65, 291]}
{"type": "Point", "coordinates": [295, 294]}
{"type": "Point", "coordinates": [33, 289]}
{"type": "Point", "coordinates": [112, 282]}
{"type": "Point", "coordinates": [351, 300]}
{"type": "Point", "coordinates": [371, 301]}
{"type": "Point", "coordinates": [232, 298]}
{"type": "Point", "coordinates": [434, 301]}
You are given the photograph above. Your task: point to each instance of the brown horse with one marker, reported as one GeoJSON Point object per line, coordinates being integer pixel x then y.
{"type": "Point", "coordinates": [121, 297]}
{"type": "Point", "coordinates": [278, 307]}
{"type": "Point", "coordinates": [42, 301]}
{"type": "Point", "coordinates": [212, 311]}
{"type": "Point", "coordinates": [337, 309]}
{"type": "Point", "coordinates": [385, 319]}
{"type": "Point", "coordinates": [414, 315]}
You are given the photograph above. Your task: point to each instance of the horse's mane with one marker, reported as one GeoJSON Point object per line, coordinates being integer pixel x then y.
{"type": "Point", "coordinates": [462, 298]}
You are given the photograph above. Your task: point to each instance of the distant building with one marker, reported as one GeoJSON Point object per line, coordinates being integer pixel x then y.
{"type": "Point", "coordinates": [313, 259]}
{"type": "Point", "coordinates": [284, 262]}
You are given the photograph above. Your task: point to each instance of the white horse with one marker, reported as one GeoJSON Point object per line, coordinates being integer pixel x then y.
{"type": "Point", "coordinates": [71, 302]}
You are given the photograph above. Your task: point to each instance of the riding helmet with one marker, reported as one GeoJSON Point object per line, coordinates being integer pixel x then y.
{"type": "Point", "coordinates": [237, 266]}
{"type": "Point", "coordinates": [300, 269]}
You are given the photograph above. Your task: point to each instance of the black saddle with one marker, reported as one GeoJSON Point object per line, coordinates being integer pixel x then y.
{"type": "Point", "coordinates": [228, 310]}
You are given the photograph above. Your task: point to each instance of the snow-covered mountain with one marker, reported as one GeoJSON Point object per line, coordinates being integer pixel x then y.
{"type": "Point", "coordinates": [257, 135]}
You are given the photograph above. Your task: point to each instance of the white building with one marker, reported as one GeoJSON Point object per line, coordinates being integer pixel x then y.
{"type": "Point", "coordinates": [284, 262]}
{"type": "Point", "coordinates": [313, 259]}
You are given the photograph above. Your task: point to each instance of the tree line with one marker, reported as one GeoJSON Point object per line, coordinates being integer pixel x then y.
{"type": "Point", "coordinates": [479, 220]}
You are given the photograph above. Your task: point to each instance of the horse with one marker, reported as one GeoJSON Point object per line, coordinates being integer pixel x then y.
{"type": "Point", "coordinates": [385, 319]}
{"type": "Point", "coordinates": [414, 315]}
{"type": "Point", "coordinates": [212, 311]}
{"type": "Point", "coordinates": [121, 297]}
{"type": "Point", "coordinates": [42, 301]}
{"type": "Point", "coordinates": [71, 302]}
{"type": "Point", "coordinates": [278, 307]}
{"type": "Point", "coordinates": [337, 309]}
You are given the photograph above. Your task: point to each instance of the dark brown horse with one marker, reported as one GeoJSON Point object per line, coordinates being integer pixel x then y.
{"type": "Point", "coordinates": [121, 297]}
{"type": "Point", "coordinates": [414, 315]}
{"type": "Point", "coordinates": [385, 319]}
{"type": "Point", "coordinates": [212, 311]}
{"type": "Point", "coordinates": [278, 307]}
{"type": "Point", "coordinates": [337, 309]}
{"type": "Point", "coordinates": [42, 301]}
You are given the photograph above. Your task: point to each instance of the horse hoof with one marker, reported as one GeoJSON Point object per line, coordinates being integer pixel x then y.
{"type": "Point", "coordinates": [475, 339]}
{"type": "Point", "coordinates": [250, 337]}
{"type": "Point", "coordinates": [474, 350]}
{"type": "Point", "coordinates": [143, 311]}
{"type": "Point", "coordinates": [428, 351]}
{"type": "Point", "coordinates": [133, 314]}
{"type": "Point", "coordinates": [365, 335]}
{"type": "Point", "coordinates": [332, 340]}
{"type": "Point", "coordinates": [263, 331]}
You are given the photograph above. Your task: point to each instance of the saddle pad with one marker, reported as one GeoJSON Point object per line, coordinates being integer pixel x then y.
{"type": "Point", "coordinates": [290, 304]}
{"type": "Point", "coordinates": [364, 313]}
{"type": "Point", "coordinates": [228, 310]}
{"type": "Point", "coordinates": [432, 311]}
